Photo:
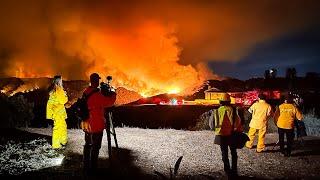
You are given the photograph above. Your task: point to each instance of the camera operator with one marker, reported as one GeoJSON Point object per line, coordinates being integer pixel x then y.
{"type": "Point", "coordinates": [94, 126]}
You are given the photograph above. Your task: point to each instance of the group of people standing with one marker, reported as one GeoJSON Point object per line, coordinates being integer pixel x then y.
{"type": "Point", "coordinates": [226, 121]}
{"type": "Point", "coordinates": [93, 126]}
{"type": "Point", "coordinates": [283, 116]}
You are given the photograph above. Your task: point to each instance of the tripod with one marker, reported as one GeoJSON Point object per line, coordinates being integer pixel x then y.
{"type": "Point", "coordinates": [110, 131]}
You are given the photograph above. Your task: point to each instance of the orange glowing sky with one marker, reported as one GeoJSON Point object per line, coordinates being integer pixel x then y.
{"type": "Point", "coordinates": [147, 46]}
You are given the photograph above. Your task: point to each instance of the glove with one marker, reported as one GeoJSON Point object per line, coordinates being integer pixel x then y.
{"type": "Point", "coordinates": [85, 126]}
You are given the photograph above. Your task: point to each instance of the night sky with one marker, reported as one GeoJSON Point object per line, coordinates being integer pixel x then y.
{"type": "Point", "coordinates": [299, 50]}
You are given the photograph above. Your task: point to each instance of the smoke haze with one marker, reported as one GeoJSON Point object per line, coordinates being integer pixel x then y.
{"type": "Point", "coordinates": [147, 46]}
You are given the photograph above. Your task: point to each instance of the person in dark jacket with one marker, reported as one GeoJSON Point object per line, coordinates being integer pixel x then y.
{"type": "Point", "coordinates": [224, 124]}
{"type": "Point", "coordinates": [94, 126]}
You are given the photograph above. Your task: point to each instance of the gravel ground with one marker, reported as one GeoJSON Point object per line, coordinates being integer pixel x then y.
{"type": "Point", "coordinates": [145, 151]}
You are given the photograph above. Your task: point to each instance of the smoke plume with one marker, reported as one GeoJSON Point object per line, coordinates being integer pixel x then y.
{"type": "Point", "coordinates": [147, 46]}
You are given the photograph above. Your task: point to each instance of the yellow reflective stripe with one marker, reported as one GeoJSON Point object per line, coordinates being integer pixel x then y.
{"type": "Point", "coordinates": [216, 118]}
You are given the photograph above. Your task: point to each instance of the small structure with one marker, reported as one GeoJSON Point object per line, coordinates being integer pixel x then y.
{"type": "Point", "coordinates": [237, 96]}
{"type": "Point", "coordinates": [213, 94]}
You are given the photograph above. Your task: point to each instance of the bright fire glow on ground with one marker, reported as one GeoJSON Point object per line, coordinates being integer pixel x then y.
{"type": "Point", "coordinates": [18, 158]}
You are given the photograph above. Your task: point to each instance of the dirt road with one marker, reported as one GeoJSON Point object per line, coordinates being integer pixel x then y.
{"type": "Point", "coordinates": [146, 151]}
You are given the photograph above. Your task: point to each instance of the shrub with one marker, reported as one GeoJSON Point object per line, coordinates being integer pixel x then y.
{"type": "Point", "coordinates": [16, 111]}
{"type": "Point", "coordinates": [23, 111]}
{"type": "Point", "coordinates": [203, 121]}
{"type": "Point", "coordinates": [312, 123]}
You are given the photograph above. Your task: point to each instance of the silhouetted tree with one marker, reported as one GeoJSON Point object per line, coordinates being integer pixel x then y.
{"type": "Point", "coordinates": [291, 73]}
{"type": "Point", "coordinates": [273, 73]}
{"type": "Point", "coordinates": [312, 75]}
{"type": "Point", "coordinates": [291, 76]}
{"type": "Point", "coordinates": [270, 73]}
{"type": "Point", "coordinates": [266, 74]}
{"type": "Point", "coordinates": [269, 76]}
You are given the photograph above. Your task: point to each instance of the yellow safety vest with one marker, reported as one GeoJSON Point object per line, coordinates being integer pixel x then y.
{"type": "Point", "coordinates": [223, 120]}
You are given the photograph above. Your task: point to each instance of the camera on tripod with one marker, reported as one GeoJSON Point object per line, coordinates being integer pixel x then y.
{"type": "Point", "coordinates": [106, 88]}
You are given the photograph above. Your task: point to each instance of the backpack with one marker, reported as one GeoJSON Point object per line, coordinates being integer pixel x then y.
{"type": "Point", "coordinates": [300, 128]}
{"type": "Point", "coordinates": [238, 139]}
{"type": "Point", "coordinates": [82, 110]}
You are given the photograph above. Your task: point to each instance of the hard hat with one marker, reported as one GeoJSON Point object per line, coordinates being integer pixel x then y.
{"type": "Point", "coordinates": [225, 97]}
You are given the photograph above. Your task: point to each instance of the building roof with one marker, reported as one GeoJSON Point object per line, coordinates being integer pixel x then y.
{"type": "Point", "coordinates": [213, 89]}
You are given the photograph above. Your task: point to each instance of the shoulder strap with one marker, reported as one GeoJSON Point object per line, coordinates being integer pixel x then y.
{"type": "Point", "coordinates": [91, 93]}
{"type": "Point", "coordinates": [215, 117]}
{"type": "Point", "coordinates": [234, 114]}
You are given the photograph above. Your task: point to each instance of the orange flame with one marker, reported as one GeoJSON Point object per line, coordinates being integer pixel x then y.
{"type": "Point", "coordinates": [144, 59]}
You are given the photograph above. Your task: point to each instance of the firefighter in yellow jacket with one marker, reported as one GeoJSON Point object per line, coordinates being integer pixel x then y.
{"type": "Point", "coordinates": [284, 118]}
{"type": "Point", "coordinates": [260, 111]}
{"type": "Point", "coordinates": [56, 111]}
{"type": "Point", "coordinates": [224, 124]}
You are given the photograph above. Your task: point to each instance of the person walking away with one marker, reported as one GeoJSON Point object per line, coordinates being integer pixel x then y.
{"type": "Point", "coordinates": [56, 111]}
{"type": "Point", "coordinates": [284, 118]}
{"type": "Point", "coordinates": [94, 126]}
{"type": "Point", "coordinates": [260, 111]}
{"type": "Point", "coordinates": [225, 122]}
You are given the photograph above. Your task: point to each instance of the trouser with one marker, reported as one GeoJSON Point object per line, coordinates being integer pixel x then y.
{"type": "Point", "coordinates": [59, 133]}
{"type": "Point", "coordinates": [290, 135]}
{"type": "Point", "coordinates": [225, 158]}
{"type": "Point", "coordinates": [261, 137]}
{"type": "Point", "coordinates": [91, 150]}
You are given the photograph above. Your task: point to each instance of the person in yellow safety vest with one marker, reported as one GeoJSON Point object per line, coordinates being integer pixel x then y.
{"type": "Point", "coordinates": [56, 111]}
{"type": "Point", "coordinates": [284, 118]}
{"type": "Point", "coordinates": [224, 124]}
{"type": "Point", "coordinates": [260, 111]}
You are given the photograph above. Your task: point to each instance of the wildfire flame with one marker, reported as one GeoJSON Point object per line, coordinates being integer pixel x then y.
{"type": "Point", "coordinates": [174, 91]}
{"type": "Point", "coordinates": [24, 89]}
{"type": "Point", "coordinates": [145, 61]}
{"type": "Point", "coordinates": [147, 46]}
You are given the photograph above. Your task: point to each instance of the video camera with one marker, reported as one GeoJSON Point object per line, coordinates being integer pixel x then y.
{"type": "Point", "coordinates": [106, 88]}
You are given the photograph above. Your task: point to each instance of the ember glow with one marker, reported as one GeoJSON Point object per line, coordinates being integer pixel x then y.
{"type": "Point", "coordinates": [24, 89]}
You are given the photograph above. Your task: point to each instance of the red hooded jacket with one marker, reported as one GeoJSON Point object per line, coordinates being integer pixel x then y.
{"type": "Point", "coordinates": [96, 105]}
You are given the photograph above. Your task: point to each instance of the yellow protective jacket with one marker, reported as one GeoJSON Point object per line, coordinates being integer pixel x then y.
{"type": "Point", "coordinates": [55, 105]}
{"type": "Point", "coordinates": [285, 115]}
{"type": "Point", "coordinates": [260, 112]}
{"type": "Point", "coordinates": [223, 120]}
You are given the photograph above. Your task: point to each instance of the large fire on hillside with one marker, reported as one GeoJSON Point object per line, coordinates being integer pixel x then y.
{"type": "Point", "coordinates": [147, 63]}
{"type": "Point", "coordinates": [145, 60]}
{"type": "Point", "coordinates": [150, 47]}
{"type": "Point", "coordinates": [144, 57]}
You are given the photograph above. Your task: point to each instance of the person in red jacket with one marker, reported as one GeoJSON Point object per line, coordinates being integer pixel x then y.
{"type": "Point", "coordinates": [94, 126]}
